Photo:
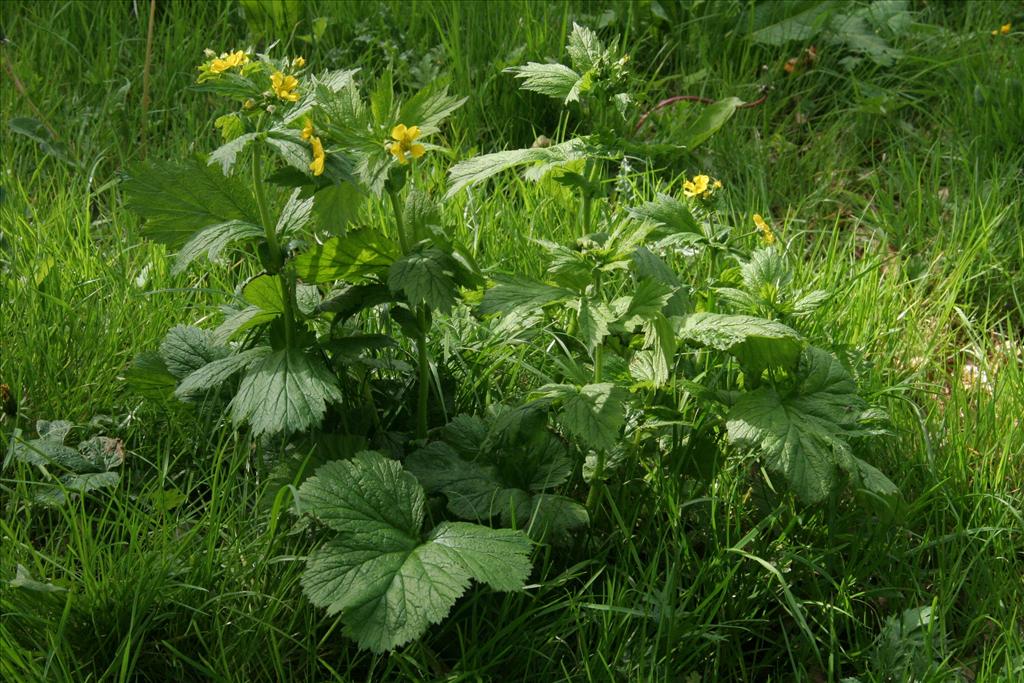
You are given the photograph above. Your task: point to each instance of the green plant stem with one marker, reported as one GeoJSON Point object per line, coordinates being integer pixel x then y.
{"type": "Point", "coordinates": [588, 198]}
{"type": "Point", "coordinates": [276, 258]}
{"type": "Point", "coordinates": [424, 377]}
{"type": "Point", "coordinates": [403, 239]}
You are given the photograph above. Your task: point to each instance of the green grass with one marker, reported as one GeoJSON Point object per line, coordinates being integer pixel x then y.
{"type": "Point", "coordinates": [911, 218]}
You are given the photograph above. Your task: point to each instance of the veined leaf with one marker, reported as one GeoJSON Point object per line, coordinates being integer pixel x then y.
{"type": "Point", "coordinates": [669, 213]}
{"type": "Point", "coordinates": [387, 582]}
{"type": "Point", "coordinates": [241, 320]}
{"type": "Point", "coordinates": [594, 318]}
{"type": "Point", "coordinates": [267, 292]}
{"type": "Point", "coordinates": [802, 435]}
{"type": "Point", "coordinates": [286, 391]}
{"type": "Point", "coordinates": [213, 240]}
{"type": "Point", "coordinates": [757, 343]}
{"type": "Point", "coordinates": [426, 276]}
{"type": "Point", "coordinates": [429, 108]}
{"type": "Point", "coordinates": [593, 413]}
{"type": "Point", "coordinates": [553, 80]}
{"type": "Point", "coordinates": [186, 349]}
{"type": "Point", "coordinates": [296, 213]}
{"type": "Point", "coordinates": [212, 375]}
{"type": "Point", "coordinates": [478, 169]}
{"type": "Point", "coordinates": [585, 48]}
{"type": "Point", "coordinates": [511, 293]}
{"type": "Point", "coordinates": [226, 154]}
{"type": "Point", "coordinates": [178, 199]}
{"type": "Point", "coordinates": [355, 257]}
{"type": "Point", "coordinates": [290, 148]}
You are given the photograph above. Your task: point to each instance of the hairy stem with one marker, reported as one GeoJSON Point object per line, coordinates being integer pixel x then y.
{"type": "Point", "coordinates": [276, 258]}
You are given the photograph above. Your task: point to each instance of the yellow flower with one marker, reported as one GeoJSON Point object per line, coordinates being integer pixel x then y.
{"type": "Point", "coordinates": [285, 87]}
{"type": "Point", "coordinates": [766, 231]}
{"type": "Point", "coordinates": [307, 130]}
{"type": "Point", "coordinates": [403, 142]}
{"type": "Point", "coordinates": [717, 185]}
{"type": "Point", "coordinates": [299, 62]}
{"type": "Point", "coordinates": [228, 61]}
{"type": "Point", "coordinates": [1005, 28]}
{"type": "Point", "coordinates": [698, 187]}
{"type": "Point", "coordinates": [317, 165]}
{"type": "Point", "coordinates": [250, 103]}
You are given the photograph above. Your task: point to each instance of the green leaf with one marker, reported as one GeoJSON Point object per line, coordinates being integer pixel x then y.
{"type": "Point", "coordinates": [804, 25]}
{"type": "Point", "coordinates": [429, 108]}
{"type": "Point", "coordinates": [213, 240]}
{"type": "Point", "coordinates": [266, 292]}
{"type": "Point", "coordinates": [710, 120]}
{"type": "Point", "coordinates": [594, 413]}
{"type": "Point", "coordinates": [177, 199]}
{"type": "Point", "coordinates": [355, 257]}
{"type": "Point", "coordinates": [802, 435]}
{"type": "Point", "coordinates": [292, 150]}
{"type": "Point", "coordinates": [585, 48]}
{"type": "Point", "coordinates": [230, 126]}
{"type": "Point", "coordinates": [241, 320]}
{"type": "Point", "coordinates": [669, 213]}
{"type": "Point", "coordinates": [226, 154]}
{"type": "Point", "coordinates": [337, 205]}
{"type": "Point", "coordinates": [55, 494]}
{"type": "Point", "coordinates": [212, 375]}
{"type": "Point", "coordinates": [551, 518]}
{"type": "Point", "coordinates": [186, 349]}
{"type": "Point", "coordinates": [757, 343]}
{"type": "Point", "coordinates": [594, 318]}
{"type": "Point", "coordinates": [286, 391]}
{"type": "Point", "coordinates": [387, 583]}
{"type": "Point", "coordinates": [426, 276]}
{"type": "Point", "coordinates": [553, 80]}
{"type": "Point", "coordinates": [478, 169]}
{"type": "Point", "coordinates": [511, 293]}
{"type": "Point", "coordinates": [332, 81]}
{"type": "Point", "coordinates": [148, 376]}
{"type": "Point", "coordinates": [296, 213]}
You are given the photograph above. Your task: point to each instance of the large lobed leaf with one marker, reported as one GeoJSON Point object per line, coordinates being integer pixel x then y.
{"type": "Point", "coordinates": [178, 199]}
{"type": "Point", "coordinates": [803, 435]}
{"type": "Point", "coordinates": [284, 391]}
{"type": "Point", "coordinates": [387, 582]}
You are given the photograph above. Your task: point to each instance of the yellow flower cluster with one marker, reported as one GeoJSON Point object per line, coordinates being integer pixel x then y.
{"type": "Point", "coordinates": [1003, 30]}
{"type": "Point", "coordinates": [218, 65]}
{"type": "Point", "coordinates": [317, 165]}
{"type": "Point", "coordinates": [404, 142]}
{"type": "Point", "coordinates": [766, 231]}
{"type": "Point", "coordinates": [285, 87]}
{"type": "Point", "coordinates": [701, 186]}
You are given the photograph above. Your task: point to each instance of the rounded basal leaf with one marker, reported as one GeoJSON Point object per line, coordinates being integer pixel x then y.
{"type": "Point", "coordinates": [802, 435]}
{"type": "Point", "coordinates": [387, 582]}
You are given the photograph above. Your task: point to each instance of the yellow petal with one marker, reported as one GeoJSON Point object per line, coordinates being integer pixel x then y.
{"type": "Point", "coordinates": [417, 150]}
{"type": "Point", "coordinates": [299, 62]}
{"type": "Point", "coordinates": [412, 133]}
{"type": "Point", "coordinates": [307, 130]}
{"type": "Point", "coordinates": [398, 132]}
